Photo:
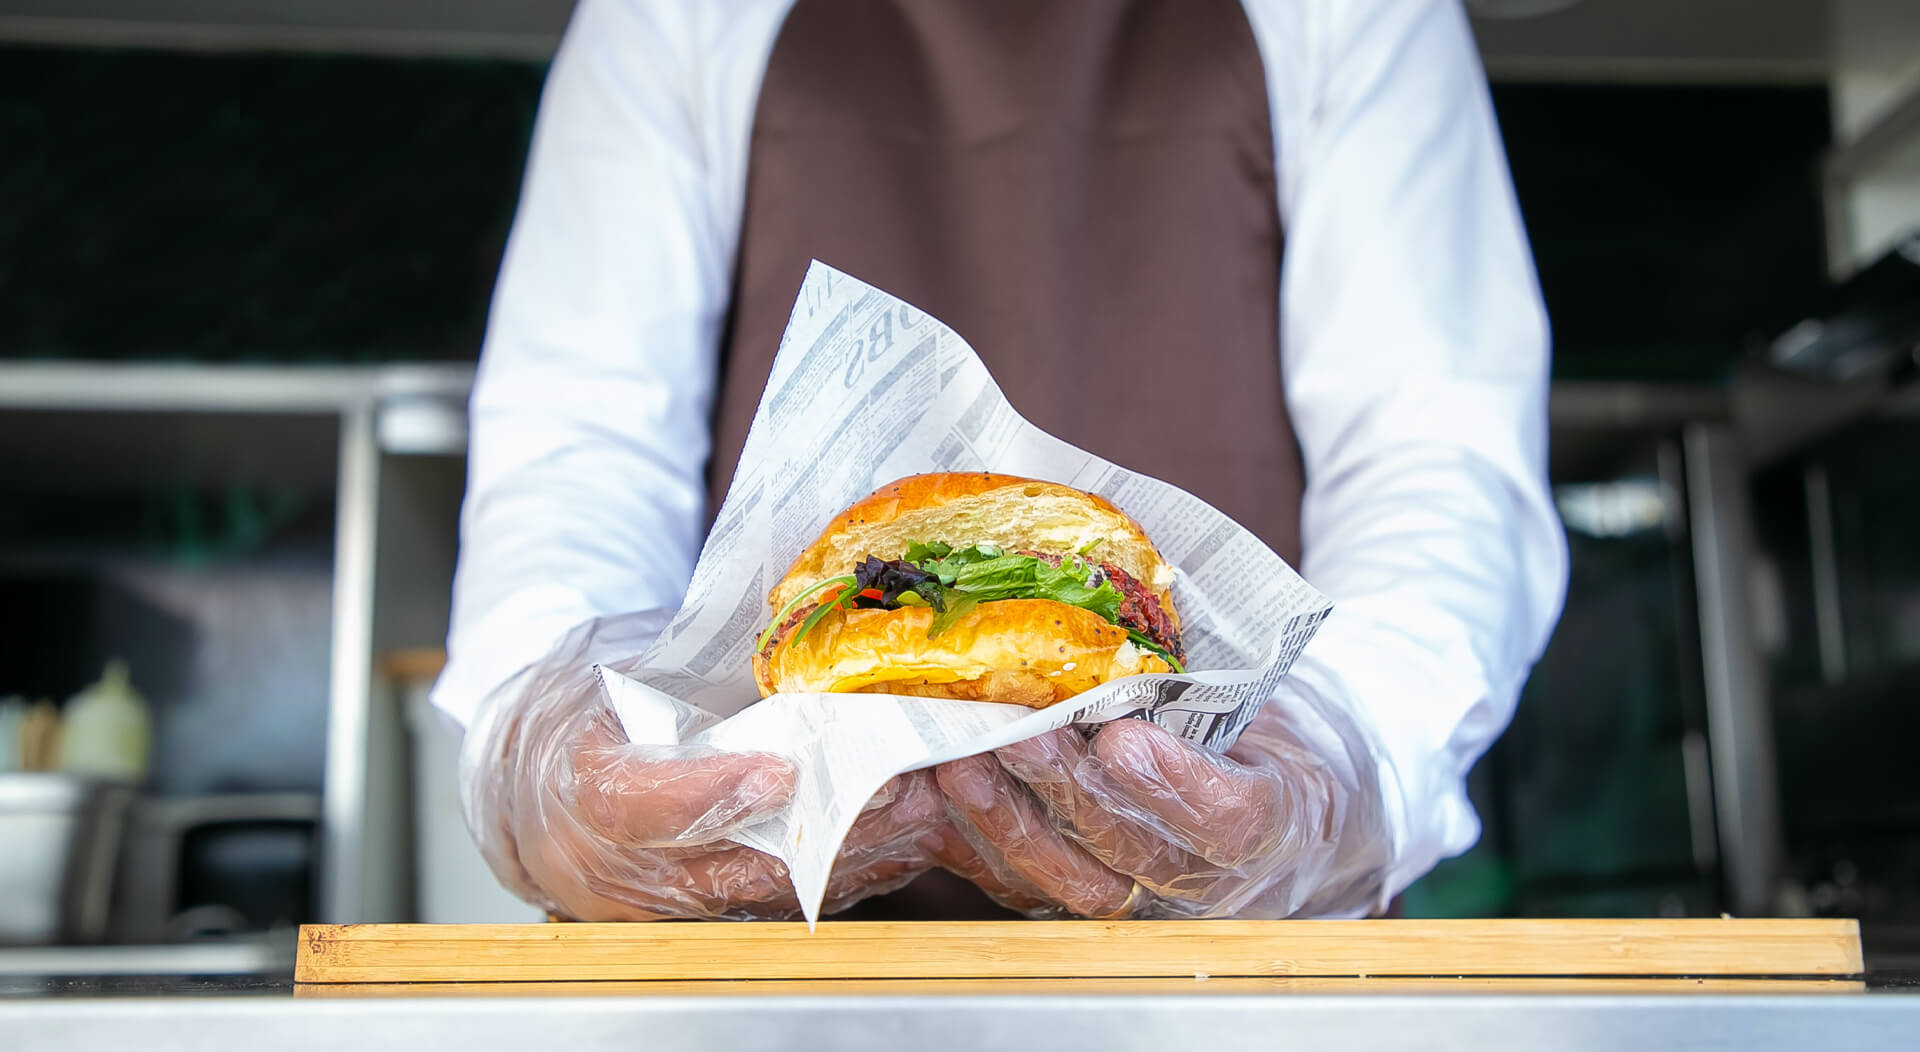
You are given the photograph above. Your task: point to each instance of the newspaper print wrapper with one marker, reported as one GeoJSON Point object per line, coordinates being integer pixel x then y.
{"type": "Point", "coordinates": [866, 389]}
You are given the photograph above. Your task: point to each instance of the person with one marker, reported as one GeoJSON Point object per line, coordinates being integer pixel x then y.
{"type": "Point", "coordinates": [1266, 250]}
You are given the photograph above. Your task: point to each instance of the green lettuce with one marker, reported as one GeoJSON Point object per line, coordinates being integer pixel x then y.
{"type": "Point", "coordinates": [963, 578]}
{"type": "Point", "coordinates": [986, 573]}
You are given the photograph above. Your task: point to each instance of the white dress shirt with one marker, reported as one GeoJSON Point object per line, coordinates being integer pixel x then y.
{"type": "Point", "coordinates": [1413, 346]}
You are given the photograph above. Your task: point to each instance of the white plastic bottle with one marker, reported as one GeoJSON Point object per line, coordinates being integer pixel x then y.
{"type": "Point", "coordinates": [107, 729]}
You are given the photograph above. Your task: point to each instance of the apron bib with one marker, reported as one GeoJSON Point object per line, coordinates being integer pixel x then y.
{"type": "Point", "coordinates": [1084, 191]}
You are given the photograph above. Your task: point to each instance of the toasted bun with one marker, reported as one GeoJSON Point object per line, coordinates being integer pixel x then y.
{"type": "Point", "coordinates": [1018, 651]}
{"type": "Point", "coordinates": [975, 508]}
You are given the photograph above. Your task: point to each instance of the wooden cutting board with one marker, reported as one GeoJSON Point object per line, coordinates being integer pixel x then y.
{"type": "Point", "coordinates": [1108, 950]}
{"type": "Point", "coordinates": [1135, 987]}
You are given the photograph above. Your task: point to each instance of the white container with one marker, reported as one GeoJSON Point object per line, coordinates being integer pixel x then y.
{"type": "Point", "coordinates": [453, 884]}
{"type": "Point", "coordinates": [59, 845]}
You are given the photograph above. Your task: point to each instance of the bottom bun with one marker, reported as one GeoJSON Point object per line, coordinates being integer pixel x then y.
{"type": "Point", "coordinates": [1030, 652]}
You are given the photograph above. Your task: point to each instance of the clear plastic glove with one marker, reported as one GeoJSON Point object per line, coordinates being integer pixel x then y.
{"type": "Point", "coordinates": [1130, 821]}
{"type": "Point", "coordinates": [574, 818]}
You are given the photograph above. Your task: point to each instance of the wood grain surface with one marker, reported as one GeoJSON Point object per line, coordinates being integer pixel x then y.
{"type": "Point", "coordinates": [1135, 987]}
{"type": "Point", "coordinates": [372, 953]}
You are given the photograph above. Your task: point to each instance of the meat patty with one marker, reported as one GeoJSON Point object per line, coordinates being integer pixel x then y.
{"type": "Point", "coordinates": [1140, 609]}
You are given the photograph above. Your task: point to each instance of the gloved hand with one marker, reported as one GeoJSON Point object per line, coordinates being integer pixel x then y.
{"type": "Point", "coordinates": [1131, 821]}
{"type": "Point", "coordinates": [574, 818]}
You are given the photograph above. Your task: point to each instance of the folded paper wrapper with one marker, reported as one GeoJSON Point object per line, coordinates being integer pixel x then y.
{"type": "Point", "coordinates": [832, 427]}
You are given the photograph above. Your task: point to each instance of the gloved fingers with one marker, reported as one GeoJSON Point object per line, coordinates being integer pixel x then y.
{"type": "Point", "coordinates": [733, 881]}
{"type": "Point", "coordinates": [738, 876]}
{"type": "Point", "coordinates": [648, 795]}
{"type": "Point", "coordinates": [1208, 891]}
{"type": "Point", "coordinates": [1267, 748]}
{"type": "Point", "coordinates": [584, 896]}
{"type": "Point", "coordinates": [642, 796]}
{"type": "Point", "coordinates": [1059, 773]}
{"type": "Point", "coordinates": [882, 853]}
{"type": "Point", "coordinates": [1007, 819]}
{"type": "Point", "coordinates": [1055, 767]}
{"type": "Point", "coordinates": [874, 872]}
{"type": "Point", "coordinates": [897, 826]}
{"type": "Point", "coordinates": [573, 873]}
{"type": "Point", "coordinates": [882, 796]}
{"type": "Point", "coordinates": [595, 878]}
{"type": "Point", "coordinates": [589, 878]}
{"type": "Point", "coordinates": [1046, 763]}
{"type": "Point", "coordinates": [588, 830]}
{"type": "Point", "coordinates": [1207, 804]}
{"type": "Point", "coordinates": [886, 847]}
{"type": "Point", "coordinates": [846, 889]}
{"type": "Point", "coordinates": [956, 853]}
{"type": "Point", "coordinates": [906, 812]}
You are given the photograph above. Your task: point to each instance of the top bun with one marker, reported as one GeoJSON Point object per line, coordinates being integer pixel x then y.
{"type": "Point", "coordinates": [1014, 513]}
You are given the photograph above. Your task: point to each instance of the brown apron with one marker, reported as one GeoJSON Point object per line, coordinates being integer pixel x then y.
{"type": "Point", "coordinates": [1084, 191]}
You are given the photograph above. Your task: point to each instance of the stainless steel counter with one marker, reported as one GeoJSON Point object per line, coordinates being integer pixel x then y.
{"type": "Point", "coordinates": [262, 1015]}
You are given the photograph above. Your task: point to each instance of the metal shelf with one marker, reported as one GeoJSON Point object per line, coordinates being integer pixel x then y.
{"type": "Point", "coordinates": [85, 426]}
{"type": "Point", "coordinates": [258, 390]}
{"type": "Point", "coordinates": [1598, 431]}
{"type": "Point", "coordinates": [267, 955]}
{"type": "Point", "coordinates": [90, 450]}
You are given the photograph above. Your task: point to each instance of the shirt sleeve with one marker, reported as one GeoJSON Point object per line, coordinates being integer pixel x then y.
{"type": "Point", "coordinates": [589, 437]}
{"type": "Point", "coordinates": [1415, 354]}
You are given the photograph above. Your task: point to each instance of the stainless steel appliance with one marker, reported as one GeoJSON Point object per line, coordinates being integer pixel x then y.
{"type": "Point", "coordinates": [60, 840]}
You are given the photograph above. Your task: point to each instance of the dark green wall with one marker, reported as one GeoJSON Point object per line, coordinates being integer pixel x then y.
{"type": "Point", "coordinates": [270, 207]}
{"type": "Point", "coordinates": [306, 208]}
{"type": "Point", "coordinates": [1668, 223]}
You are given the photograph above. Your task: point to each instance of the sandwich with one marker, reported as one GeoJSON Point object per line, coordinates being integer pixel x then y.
{"type": "Point", "coordinates": [972, 586]}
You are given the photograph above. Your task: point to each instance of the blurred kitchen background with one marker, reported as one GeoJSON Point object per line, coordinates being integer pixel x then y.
{"type": "Point", "coordinates": [246, 251]}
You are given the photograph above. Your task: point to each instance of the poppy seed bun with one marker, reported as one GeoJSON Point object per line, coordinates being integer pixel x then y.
{"type": "Point", "coordinates": [975, 508]}
{"type": "Point", "coordinates": [1019, 651]}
